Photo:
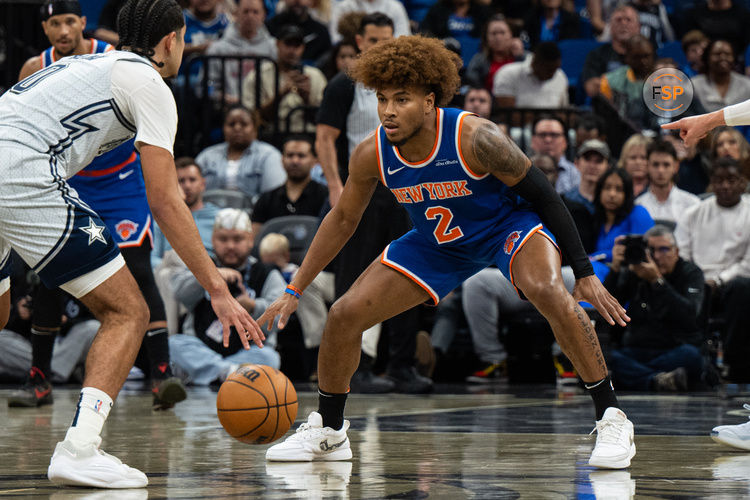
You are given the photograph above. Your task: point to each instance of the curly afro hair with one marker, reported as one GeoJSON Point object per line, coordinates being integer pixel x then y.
{"type": "Point", "coordinates": [410, 61]}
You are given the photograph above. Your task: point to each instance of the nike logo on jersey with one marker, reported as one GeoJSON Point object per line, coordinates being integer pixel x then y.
{"type": "Point", "coordinates": [125, 174]}
{"type": "Point", "coordinates": [435, 191]}
{"type": "Point", "coordinates": [391, 172]}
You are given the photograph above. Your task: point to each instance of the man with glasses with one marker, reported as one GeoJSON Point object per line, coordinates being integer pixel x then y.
{"type": "Point", "coordinates": [660, 349]}
{"type": "Point", "coordinates": [549, 138]}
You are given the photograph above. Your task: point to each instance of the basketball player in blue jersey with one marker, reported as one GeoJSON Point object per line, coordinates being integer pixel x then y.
{"type": "Point", "coordinates": [112, 185]}
{"type": "Point", "coordinates": [475, 200]}
{"type": "Point", "coordinates": [52, 124]}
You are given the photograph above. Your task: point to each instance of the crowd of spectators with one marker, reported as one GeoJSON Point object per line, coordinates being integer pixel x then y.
{"type": "Point", "coordinates": [667, 227]}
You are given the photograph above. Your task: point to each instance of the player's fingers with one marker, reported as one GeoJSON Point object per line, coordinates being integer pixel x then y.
{"type": "Point", "coordinates": [254, 330]}
{"type": "Point", "coordinates": [225, 331]}
{"type": "Point", "coordinates": [283, 318]}
{"type": "Point", "coordinates": [242, 332]}
{"type": "Point", "coordinates": [673, 125]}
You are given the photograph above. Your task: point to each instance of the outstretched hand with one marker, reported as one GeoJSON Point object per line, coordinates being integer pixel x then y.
{"type": "Point", "coordinates": [231, 314]}
{"type": "Point", "coordinates": [692, 129]}
{"type": "Point", "coordinates": [591, 290]}
{"type": "Point", "coordinates": [283, 307]}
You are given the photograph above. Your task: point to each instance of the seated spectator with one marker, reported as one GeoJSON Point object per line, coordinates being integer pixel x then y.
{"type": "Point", "coordinates": [693, 44]}
{"type": "Point", "coordinates": [720, 85]}
{"type": "Point", "coordinates": [616, 215]}
{"type": "Point", "coordinates": [479, 101]}
{"type": "Point", "coordinates": [722, 19]}
{"type": "Point", "coordinates": [728, 142]}
{"type": "Point", "coordinates": [549, 136]}
{"type": "Point", "coordinates": [300, 195]}
{"type": "Point", "coordinates": [312, 310]}
{"type": "Point", "coordinates": [623, 87]}
{"type": "Point", "coordinates": [199, 352]}
{"type": "Point", "coordinates": [655, 25]}
{"type": "Point", "coordinates": [242, 162]}
{"type": "Point", "coordinates": [661, 343]}
{"type": "Point", "coordinates": [592, 160]}
{"type": "Point", "coordinates": [316, 36]}
{"type": "Point", "coordinates": [590, 126]}
{"type": "Point", "coordinates": [663, 200]}
{"type": "Point", "coordinates": [339, 59]}
{"type": "Point", "coordinates": [535, 83]}
{"type": "Point", "coordinates": [462, 20]}
{"type": "Point", "coordinates": [298, 84]}
{"type": "Point", "coordinates": [634, 161]}
{"type": "Point", "coordinates": [71, 347]}
{"type": "Point", "coordinates": [193, 185]}
{"type": "Point", "coordinates": [608, 57]}
{"type": "Point", "coordinates": [550, 23]}
{"type": "Point", "coordinates": [498, 48]}
{"type": "Point", "coordinates": [246, 36]}
{"type": "Point", "coordinates": [715, 235]}
{"type": "Point", "coordinates": [392, 8]}
{"type": "Point", "coordinates": [547, 165]}
{"type": "Point", "coordinates": [205, 23]}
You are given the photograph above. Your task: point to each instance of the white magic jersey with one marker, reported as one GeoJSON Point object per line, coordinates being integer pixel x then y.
{"type": "Point", "coordinates": [68, 110]}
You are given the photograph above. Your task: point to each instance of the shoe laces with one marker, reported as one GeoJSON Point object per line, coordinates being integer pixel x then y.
{"type": "Point", "coordinates": [608, 431]}
{"type": "Point", "coordinates": [306, 428]}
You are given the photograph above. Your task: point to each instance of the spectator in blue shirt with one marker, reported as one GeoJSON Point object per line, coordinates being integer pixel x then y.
{"type": "Point", "coordinates": [615, 215]}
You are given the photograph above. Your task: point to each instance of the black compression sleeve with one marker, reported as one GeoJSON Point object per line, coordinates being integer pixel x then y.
{"type": "Point", "coordinates": [537, 190]}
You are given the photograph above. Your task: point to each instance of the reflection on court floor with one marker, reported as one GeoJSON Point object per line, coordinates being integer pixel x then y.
{"type": "Point", "coordinates": [496, 442]}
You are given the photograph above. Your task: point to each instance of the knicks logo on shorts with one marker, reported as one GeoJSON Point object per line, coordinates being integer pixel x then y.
{"type": "Point", "coordinates": [510, 241]}
{"type": "Point", "coordinates": [126, 228]}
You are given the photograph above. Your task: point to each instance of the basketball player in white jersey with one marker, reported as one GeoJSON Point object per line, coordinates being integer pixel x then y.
{"type": "Point", "coordinates": [54, 123]}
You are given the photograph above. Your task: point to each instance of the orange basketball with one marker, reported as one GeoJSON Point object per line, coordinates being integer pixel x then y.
{"type": "Point", "coordinates": [256, 404]}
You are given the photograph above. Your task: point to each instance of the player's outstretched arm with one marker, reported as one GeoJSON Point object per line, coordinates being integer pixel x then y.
{"type": "Point", "coordinates": [488, 150]}
{"type": "Point", "coordinates": [177, 224]}
{"type": "Point", "coordinates": [335, 230]}
{"type": "Point", "coordinates": [694, 128]}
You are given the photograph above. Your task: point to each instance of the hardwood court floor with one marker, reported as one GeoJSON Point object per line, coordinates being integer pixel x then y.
{"type": "Point", "coordinates": [498, 442]}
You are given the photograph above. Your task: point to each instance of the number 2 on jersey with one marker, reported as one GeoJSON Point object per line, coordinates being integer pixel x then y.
{"type": "Point", "coordinates": [444, 217]}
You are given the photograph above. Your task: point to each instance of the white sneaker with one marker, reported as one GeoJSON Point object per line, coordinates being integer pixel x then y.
{"type": "Point", "coordinates": [733, 435]}
{"type": "Point", "coordinates": [312, 441]}
{"type": "Point", "coordinates": [614, 441]}
{"type": "Point", "coordinates": [90, 466]}
{"type": "Point", "coordinates": [612, 484]}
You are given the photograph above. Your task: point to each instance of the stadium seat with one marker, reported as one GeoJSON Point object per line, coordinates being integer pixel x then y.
{"type": "Point", "coordinates": [574, 52]}
{"type": "Point", "coordinates": [228, 198]}
{"type": "Point", "coordinates": [299, 230]}
{"type": "Point", "coordinates": [673, 50]}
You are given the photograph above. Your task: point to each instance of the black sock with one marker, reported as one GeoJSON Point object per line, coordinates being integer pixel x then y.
{"type": "Point", "coordinates": [42, 343]}
{"type": "Point", "coordinates": [157, 346]}
{"type": "Point", "coordinates": [331, 408]}
{"type": "Point", "coordinates": [603, 395]}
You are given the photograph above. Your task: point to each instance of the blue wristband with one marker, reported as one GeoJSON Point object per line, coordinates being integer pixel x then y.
{"type": "Point", "coordinates": [293, 293]}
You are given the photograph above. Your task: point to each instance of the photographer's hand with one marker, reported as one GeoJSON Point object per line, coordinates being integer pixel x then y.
{"type": "Point", "coordinates": [647, 271]}
{"type": "Point", "coordinates": [618, 254]}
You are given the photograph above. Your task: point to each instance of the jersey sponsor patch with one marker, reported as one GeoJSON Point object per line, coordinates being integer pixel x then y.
{"type": "Point", "coordinates": [126, 228]}
{"type": "Point", "coordinates": [510, 242]}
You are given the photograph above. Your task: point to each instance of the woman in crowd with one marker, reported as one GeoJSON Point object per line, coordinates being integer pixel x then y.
{"type": "Point", "coordinates": [615, 215]}
{"type": "Point", "coordinates": [728, 142]}
{"type": "Point", "coordinates": [499, 47]}
{"type": "Point", "coordinates": [633, 160]}
{"type": "Point", "coordinates": [462, 20]}
{"type": "Point", "coordinates": [720, 85]}
{"type": "Point", "coordinates": [242, 163]}
{"type": "Point", "coordinates": [339, 59]}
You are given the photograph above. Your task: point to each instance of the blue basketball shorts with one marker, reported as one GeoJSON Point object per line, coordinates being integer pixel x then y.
{"type": "Point", "coordinates": [440, 269]}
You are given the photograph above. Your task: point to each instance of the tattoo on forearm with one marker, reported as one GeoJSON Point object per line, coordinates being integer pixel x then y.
{"type": "Point", "coordinates": [497, 152]}
{"type": "Point", "coordinates": [590, 338]}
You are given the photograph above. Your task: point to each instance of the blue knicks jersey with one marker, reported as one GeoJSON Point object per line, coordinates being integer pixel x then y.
{"type": "Point", "coordinates": [447, 202]}
{"type": "Point", "coordinates": [97, 47]}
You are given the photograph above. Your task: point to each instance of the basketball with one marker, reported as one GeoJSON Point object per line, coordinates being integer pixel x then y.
{"type": "Point", "coordinates": [256, 404]}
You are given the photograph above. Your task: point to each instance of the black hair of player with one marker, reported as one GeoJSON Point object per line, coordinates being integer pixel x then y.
{"type": "Point", "coordinates": [142, 24]}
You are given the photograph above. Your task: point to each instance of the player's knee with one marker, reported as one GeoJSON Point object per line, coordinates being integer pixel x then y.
{"type": "Point", "coordinates": [544, 291]}
{"type": "Point", "coordinates": [341, 316]}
